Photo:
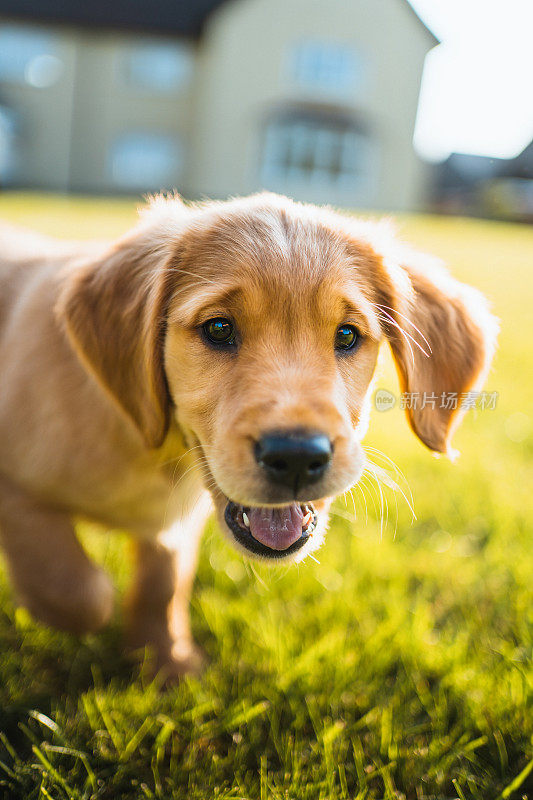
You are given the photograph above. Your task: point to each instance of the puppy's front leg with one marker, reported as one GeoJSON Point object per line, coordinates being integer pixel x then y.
{"type": "Point", "coordinates": [51, 573]}
{"type": "Point", "coordinates": [158, 603]}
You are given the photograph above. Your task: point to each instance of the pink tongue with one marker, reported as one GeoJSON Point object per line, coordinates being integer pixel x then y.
{"type": "Point", "coordinates": [276, 528]}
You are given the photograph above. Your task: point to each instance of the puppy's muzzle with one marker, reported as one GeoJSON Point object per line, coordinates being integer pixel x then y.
{"type": "Point", "coordinates": [294, 459]}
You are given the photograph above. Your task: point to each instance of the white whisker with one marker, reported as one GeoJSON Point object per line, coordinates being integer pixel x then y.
{"type": "Point", "coordinates": [392, 483]}
{"type": "Point", "coordinates": [382, 500]}
{"type": "Point", "coordinates": [410, 322]}
{"type": "Point", "coordinates": [346, 516]}
{"type": "Point", "coordinates": [404, 333]}
{"type": "Point", "coordinates": [381, 476]}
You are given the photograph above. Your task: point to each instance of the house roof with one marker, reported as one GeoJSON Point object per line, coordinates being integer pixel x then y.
{"type": "Point", "coordinates": [522, 165]}
{"type": "Point", "coordinates": [185, 17]}
{"type": "Point", "coordinates": [462, 169]}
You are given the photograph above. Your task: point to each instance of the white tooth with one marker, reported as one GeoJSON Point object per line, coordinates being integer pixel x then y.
{"type": "Point", "coordinates": [245, 519]}
{"type": "Point", "coordinates": [307, 519]}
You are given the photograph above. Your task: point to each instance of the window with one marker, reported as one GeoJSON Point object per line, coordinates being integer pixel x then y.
{"type": "Point", "coordinates": [145, 161]}
{"type": "Point", "coordinates": [321, 149]}
{"type": "Point", "coordinates": [7, 144]}
{"type": "Point", "coordinates": [29, 55]}
{"type": "Point", "coordinates": [327, 67]}
{"type": "Point", "coordinates": [158, 67]}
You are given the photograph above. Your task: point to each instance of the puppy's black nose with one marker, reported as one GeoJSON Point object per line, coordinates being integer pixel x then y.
{"type": "Point", "coordinates": [294, 459]}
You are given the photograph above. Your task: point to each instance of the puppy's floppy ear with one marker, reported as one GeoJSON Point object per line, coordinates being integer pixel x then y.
{"type": "Point", "coordinates": [114, 310]}
{"type": "Point", "coordinates": [442, 337]}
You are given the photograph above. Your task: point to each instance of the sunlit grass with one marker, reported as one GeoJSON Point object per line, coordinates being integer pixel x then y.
{"type": "Point", "coordinates": [398, 666]}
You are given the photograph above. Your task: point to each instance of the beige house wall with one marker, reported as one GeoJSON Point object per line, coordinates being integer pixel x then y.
{"type": "Point", "coordinates": [44, 118]}
{"type": "Point", "coordinates": [116, 108]}
{"type": "Point", "coordinates": [66, 131]}
{"type": "Point", "coordinates": [243, 76]}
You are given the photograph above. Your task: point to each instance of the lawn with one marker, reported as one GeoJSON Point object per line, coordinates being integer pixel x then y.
{"type": "Point", "coordinates": [399, 666]}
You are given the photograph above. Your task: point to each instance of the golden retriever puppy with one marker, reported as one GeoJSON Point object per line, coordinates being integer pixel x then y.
{"type": "Point", "coordinates": [218, 353]}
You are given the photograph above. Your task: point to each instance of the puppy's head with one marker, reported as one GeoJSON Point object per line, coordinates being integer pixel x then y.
{"type": "Point", "coordinates": [257, 323]}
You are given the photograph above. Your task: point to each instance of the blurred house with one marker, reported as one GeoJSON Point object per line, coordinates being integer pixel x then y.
{"type": "Point", "coordinates": [313, 98]}
{"type": "Point", "coordinates": [488, 187]}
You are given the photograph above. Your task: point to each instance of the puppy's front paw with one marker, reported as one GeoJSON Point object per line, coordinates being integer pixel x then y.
{"type": "Point", "coordinates": [185, 659]}
{"type": "Point", "coordinates": [171, 661]}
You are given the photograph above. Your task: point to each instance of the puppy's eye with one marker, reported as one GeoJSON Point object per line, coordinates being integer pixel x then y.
{"type": "Point", "coordinates": [219, 331]}
{"type": "Point", "coordinates": [346, 337]}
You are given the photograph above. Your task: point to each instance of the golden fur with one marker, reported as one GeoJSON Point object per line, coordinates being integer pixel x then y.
{"type": "Point", "coordinates": [112, 407]}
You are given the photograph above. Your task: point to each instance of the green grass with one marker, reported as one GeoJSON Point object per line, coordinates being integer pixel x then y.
{"type": "Point", "coordinates": [398, 666]}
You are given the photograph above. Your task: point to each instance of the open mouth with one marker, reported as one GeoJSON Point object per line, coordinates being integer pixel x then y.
{"type": "Point", "coordinates": [271, 532]}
